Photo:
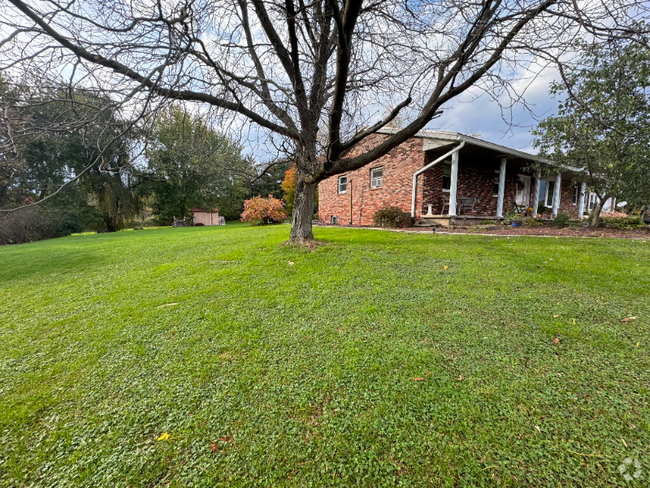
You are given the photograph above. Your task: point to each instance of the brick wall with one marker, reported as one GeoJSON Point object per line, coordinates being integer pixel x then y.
{"type": "Point", "coordinates": [475, 180]}
{"type": "Point", "coordinates": [398, 168]}
{"type": "Point", "coordinates": [566, 200]}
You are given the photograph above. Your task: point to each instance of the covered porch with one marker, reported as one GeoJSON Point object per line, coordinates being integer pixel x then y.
{"type": "Point", "coordinates": [467, 181]}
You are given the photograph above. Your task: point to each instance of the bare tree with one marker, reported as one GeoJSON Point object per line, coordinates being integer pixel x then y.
{"type": "Point", "coordinates": [293, 66]}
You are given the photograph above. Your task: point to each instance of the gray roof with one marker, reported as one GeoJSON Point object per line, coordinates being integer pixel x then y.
{"type": "Point", "coordinates": [438, 138]}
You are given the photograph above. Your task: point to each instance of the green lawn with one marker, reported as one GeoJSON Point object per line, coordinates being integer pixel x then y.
{"type": "Point", "coordinates": [261, 364]}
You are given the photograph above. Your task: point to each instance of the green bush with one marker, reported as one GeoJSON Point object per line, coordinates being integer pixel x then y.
{"type": "Point", "coordinates": [532, 223]}
{"type": "Point", "coordinates": [392, 217]}
{"type": "Point", "coordinates": [40, 222]}
{"type": "Point", "coordinates": [561, 220]}
{"type": "Point", "coordinates": [630, 222]}
{"type": "Point", "coordinates": [512, 216]}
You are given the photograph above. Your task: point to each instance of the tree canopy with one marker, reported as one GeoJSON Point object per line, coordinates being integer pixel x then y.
{"type": "Point", "coordinates": [51, 154]}
{"type": "Point", "coordinates": [191, 165]}
{"type": "Point", "coordinates": [601, 126]}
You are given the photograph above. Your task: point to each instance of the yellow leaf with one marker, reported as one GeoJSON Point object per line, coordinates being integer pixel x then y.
{"type": "Point", "coordinates": [446, 266]}
{"type": "Point", "coordinates": [164, 436]}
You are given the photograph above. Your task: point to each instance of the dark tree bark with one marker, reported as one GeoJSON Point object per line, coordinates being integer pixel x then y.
{"type": "Point", "coordinates": [111, 223]}
{"type": "Point", "coordinates": [595, 215]}
{"type": "Point", "coordinates": [303, 211]}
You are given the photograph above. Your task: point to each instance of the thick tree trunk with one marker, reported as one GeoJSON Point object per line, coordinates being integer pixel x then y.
{"type": "Point", "coordinates": [595, 215]}
{"type": "Point", "coordinates": [303, 212]}
{"type": "Point", "coordinates": [111, 223]}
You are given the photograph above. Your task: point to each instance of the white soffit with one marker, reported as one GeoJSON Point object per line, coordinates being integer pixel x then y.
{"type": "Point", "coordinates": [430, 143]}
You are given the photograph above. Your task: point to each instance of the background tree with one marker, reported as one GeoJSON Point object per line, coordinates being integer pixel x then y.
{"type": "Point", "coordinates": [290, 67]}
{"type": "Point", "coordinates": [269, 180]}
{"type": "Point", "coordinates": [191, 165]}
{"type": "Point", "coordinates": [602, 123]}
{"type": "Point", "coordinates": [48, 143]}
{"type": "Point", "coordinates": [289, 189]}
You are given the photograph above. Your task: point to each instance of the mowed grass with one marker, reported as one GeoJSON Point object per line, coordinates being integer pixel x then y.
{"type": "Point", "coordinates": [380, 359]}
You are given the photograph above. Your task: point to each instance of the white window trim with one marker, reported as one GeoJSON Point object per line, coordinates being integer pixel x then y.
{"type": "Point", "coordinates": [381, 178]}
{"type": "Point", "coordinates": [443, 175]}
{"type": "Point", "coordinates": [498, 172]}
{"type": "Point", "coordinates": [546, 194]}
{"type": "Point", "coordinates": [592, 195]}
{"type": "Point", "coordinates": [338, 184]}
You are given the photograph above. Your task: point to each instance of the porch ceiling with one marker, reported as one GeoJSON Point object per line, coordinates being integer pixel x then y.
{"type": "Point", "coordinates": [439, 142]}
{"type": "Point", "coordinates": [492, 153]}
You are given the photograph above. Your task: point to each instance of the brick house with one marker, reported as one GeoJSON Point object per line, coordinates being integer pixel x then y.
{"type": "Point", "coordinates": [443, 176]}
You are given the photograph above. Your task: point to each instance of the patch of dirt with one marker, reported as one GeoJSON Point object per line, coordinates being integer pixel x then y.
{"type": "Point", "coordinates": [309, 245]}
{"type": "Point", "coordinates": [506, 230]}
{"type": "Point", "coordinates": [553, 232]}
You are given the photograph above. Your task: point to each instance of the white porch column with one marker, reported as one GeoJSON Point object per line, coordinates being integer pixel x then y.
{"type": "Point", "coordinates": [556, 194]}
{"type": "Point", "coordinates": [538, 184]}
{"type": "Point", "coordinates": [453, 188]}
{"type": "Point", "coordinates": [502, 187]}
{"type": "Point", "coordinates": [581, 199]}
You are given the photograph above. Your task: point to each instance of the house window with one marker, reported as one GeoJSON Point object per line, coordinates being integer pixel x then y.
{"type": "Point", "coordinates": [376, 177]}
{"type": "Point", "coordinates": [343, 184]}
{"type": "Point", "coordinates": [593, 201]}
{"type": "Point", "coordinates": [334, 220]}
{"type": "Point", "coordinates": [550, 189]}
{"type": "Point", "coordinates": [495, 188]}
{"type": "Point", "coordinates": [576, 195]}
{"type": "Point", "coordinates": [446, 176]}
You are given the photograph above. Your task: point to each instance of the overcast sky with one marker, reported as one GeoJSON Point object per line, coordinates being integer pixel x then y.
{"type": "Point", "coordinates": [473, 113]}
{"type": "Point", "coordinates": [470, 115]}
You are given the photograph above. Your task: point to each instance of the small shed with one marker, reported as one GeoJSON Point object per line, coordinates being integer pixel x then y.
{"type": "Point", "coordinates": [206, 217]}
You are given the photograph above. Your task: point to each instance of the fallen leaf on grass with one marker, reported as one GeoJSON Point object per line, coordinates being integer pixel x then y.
{"type": "Point", "coordinates": [167, 305]}
{"type": "Point", "coordinates": [214, 447]}
{"type": "Point", "coordinates": [629, 319]}
{"type": "Point", "coordinates": [446, 266]}
{"type": "Point", "coordinates": [556, 316]}
{"type": "Point", "coordinates": [422, 379]}
{"type": "Point", "coordinates": [460, 377]}
{"type": "Point", "coordinates": [291, 263]}
{"type": "Point", "coordinates": [556, 340]}
{"type": "Point", "coordinates": [164, 436]}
